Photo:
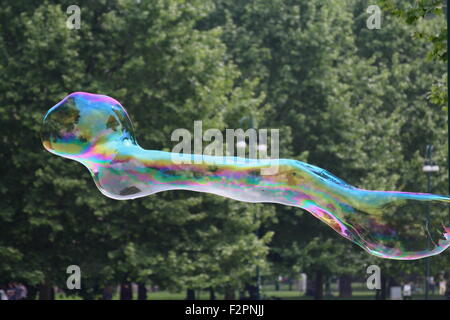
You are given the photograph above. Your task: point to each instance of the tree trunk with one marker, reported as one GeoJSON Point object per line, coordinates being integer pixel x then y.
{"type": "Point", "coordinates": [190, 294]}
{"type": "Point", "coordinates": [126, 291]}
{"type": "Point", "coordinates": [212, 294]}
{"type": "Point", "coordinates": [229, 293]}
{"type": "Point", "coordinates": [318, 286]}
{"type": "Point", "coordinates": [107, 293]}
{"type": "Point", "coordinates": [345, 286]}
{"type": "Point", "coordinates": [328, 292]}
{"type": "Point", "coordinates": [32, 292]}
{"type": "Point", "coordinates": [252, 291]}
{"type": "Point", "coordinates": [45, 291]}
{"type": "Point", "coordinates": [142, 291]}
{"type": "Point", "coordinates": [382, 293]}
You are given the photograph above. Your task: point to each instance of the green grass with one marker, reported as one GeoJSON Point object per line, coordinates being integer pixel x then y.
{"type": "Point", "coordinates": [268, 292]}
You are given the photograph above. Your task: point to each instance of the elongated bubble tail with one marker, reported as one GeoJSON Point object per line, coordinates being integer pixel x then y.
{"type": "Point", "coordinates": [447, 233]}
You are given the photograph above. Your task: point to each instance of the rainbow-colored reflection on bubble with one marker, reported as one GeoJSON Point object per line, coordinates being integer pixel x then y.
{"type": "Point", "coordinates": [96, 131]}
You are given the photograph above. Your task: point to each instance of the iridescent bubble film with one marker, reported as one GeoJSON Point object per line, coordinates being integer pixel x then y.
{"type": "Point", "coordinates": [96, 131]}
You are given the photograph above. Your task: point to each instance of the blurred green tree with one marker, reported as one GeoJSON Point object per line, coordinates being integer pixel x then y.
{"type": "Point", "coordinates": [413, 13]}
{"type": "Point", "coordinates": [167, 73]}
{"type": "Point", "coordinates": [346, 98]}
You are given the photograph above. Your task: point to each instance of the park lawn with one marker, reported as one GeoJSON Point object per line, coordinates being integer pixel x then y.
{"type": "Point", "coordinates": [268, 292]}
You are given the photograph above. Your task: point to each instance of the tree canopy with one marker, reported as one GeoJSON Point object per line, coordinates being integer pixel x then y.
{"type": "Point", "coordinates": [361, 103]}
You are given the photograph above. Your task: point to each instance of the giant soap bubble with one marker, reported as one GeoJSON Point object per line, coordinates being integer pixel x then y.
{"type": "Point", "coordinates": [96, 131]}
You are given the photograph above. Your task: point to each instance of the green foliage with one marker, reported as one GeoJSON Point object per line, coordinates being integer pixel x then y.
{"type": "Point", "coordinates": [413, 13]}
{"type": "Point", "coordinates": [167, 73]}
{"type": "Point", "coordinates": [346, 98]}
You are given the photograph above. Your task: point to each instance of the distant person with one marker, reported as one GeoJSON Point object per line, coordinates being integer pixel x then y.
{"type": "Point", "coordinates": [126, 292]}
{"type": "Point", "coordinates": [107, 293]}
{"type": "Point", "coordinates": [17, 291]}
{"type": "Point", "coordinates": [23, 291]}
{"type": "Point", "coordinates": [11, 291]}
{"type": "Point", "coordinates": [407, 291]}
{"type": "Point", "coordinates": [442, 287]}
{"type": "Point", "coordinates": [431, 284]}
{"type": "Point", "coordinates": [447, 291]}
{"type": "Point", "coordinates": [3, 295]}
